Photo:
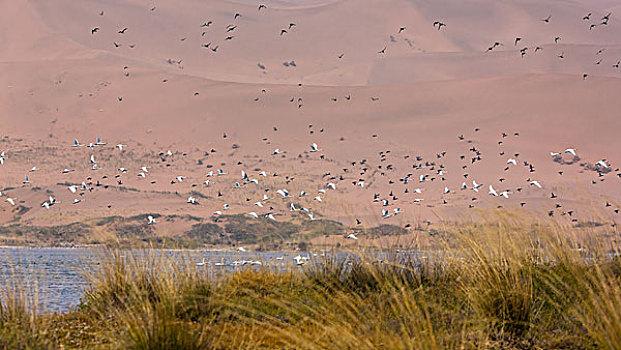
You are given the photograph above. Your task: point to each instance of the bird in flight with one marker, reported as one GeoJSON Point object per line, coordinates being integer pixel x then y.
{"type": "Point", "coordinates": [122, 31]}
{"type": "Point", "coordinates": [439, 24]}
{"type": "Point", "coordinates": [547, 19]}
{"type": "Point", "coordinates": [262, 7]}
{"type": "Point", "coordinates": [94, 30]}
{"type": "Point", "coordinates": [382, 51]}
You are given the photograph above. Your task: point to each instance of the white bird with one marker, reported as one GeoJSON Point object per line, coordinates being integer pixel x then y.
{"type": "Point", "coordinates": [300, 260]}
{"type": "Point", "coordinates": [314, 147]}
{"type": "Point", "coordinates": [244, 175]}
{"type": "Point", "coordinates": [120, 147]}
{"type": "Point", "coordinates": [351, 236]}
{"type": "Point", "coordinates": [311, 216]}
{"type": "Point", "coordinates": [169, 153]}
{"type": "Point", "coordinates": [535, 183]}
{"type": "Point", "coordinates": [92, 160]}
{"type": "Point", "coordinates": [504, 194]}
{"type": "Point", "coordinates": [226, 207]}
{"type": "Point", "coordinates": [602, 164]}
{"type": "Point", "coordinates": [242, 249]}
{"type": "Point", "coordinates": [292, 207]}
{"type": "Point", "coordinates": [254, 181]}
{"type": "Point", "coordinates": [476, 186]}
{"type": "Point", "coordinates": [150, 220]}
{"type": "Point", "coordinates": [76, 201]}
{"type": "Point", "coordinates": [123, 170]}
{"type": "Point", "coordinates": [202, 263]}
{"type": "Point", "coordinates": [11, 201]}
{"type": "Point", "coordinates": [418, 200]}
{"type": "Point", "coordinates": [322, 191]}
{"type": "Point", "coordinates": [360, 183]}
{"type": "Point", "coordinates": [283, 193]}
{"type": "Point", "coordinates": [332, 186]}
{"type": "Point", "coordinates": [492, 191]}
{"type": "Point", "coordinates": [464, 186]}
{"type": "Point", "coordinates": [144, 169]}
{"type": "Point", "coordinates": [555, 154]}
{"type": "Point", "coordinates": [221, 172]}
{"type": "Point", "coordinates": [95, 167]}
{"type": "Point", "coordinates": [253, 214]}
{"type": "Point", "coordinates": [76, 143]}
{"type": "Point", "coordinates": [180, 178]}
{"type": "Point", "coordinates": [83, 188]}
{"type": "Point", "coordinates": [446, 190]}
{"type": "Point", "coordinates": [423, 178]}
{"type": "Point", "coordinates": [270, 216]}
{"type": "Point", "coordinates": [73, 188]}
{"type": "Point", "coordinates": [276, 151]}
{"type": "Point", "coordinates": [142, 175]}
{"type": "Point", "coordinates": [397, 211]}
{"type": "Point", "coordinates": [98, 142]}
{"type": "Point", "coordinates": [217, 212]}
{"type": "Point", "coordinates": [318, 199]}
{"type": "Point", "coordinates": [46, 205]}
{"type": "Point", "coordinates": [33, 169]}
{"type": "Point", "coordinates": [511, 161]}
{"type": "Point", "coordinates": [191, 200]}
{"type": "Point", "coordinates": [302, 193]}
{"type": "Point", "coordinates": [259, 204]}
{"type": "Point", "coordinates": [66, 171]}
{"type": "Point", "coordinates": [265, 197]}
{"type": "Point", "coordinates": [571, 151]}
{"type": "Point", "coordinates": [418, 190]}
{"type": "Point", "coordinates": [207, 182]}
{"type": "Point", "coordinates": [209, 174]}
{"type": "Point", "coordinates": [26, 180]}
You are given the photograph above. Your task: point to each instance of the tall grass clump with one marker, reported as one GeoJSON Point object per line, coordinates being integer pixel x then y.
{"type": "Point", "coordinates": [505, 284]}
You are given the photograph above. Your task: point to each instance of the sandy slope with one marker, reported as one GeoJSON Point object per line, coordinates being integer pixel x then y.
{"type": "Point", "coordinates": [59, 81]}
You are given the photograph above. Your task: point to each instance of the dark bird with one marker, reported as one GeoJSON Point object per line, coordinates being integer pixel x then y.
{"type": "Point", "coordinates": [122, 31]}
{"type": "Point", "coordinates": [231, 28]}
{"type": "Point", "coordinates": [101, 13]}
{"type": "Point", "coordinates": [283, 31]}
{"type": "Point", "coordinates": [401, 30]}
{"type": "Point", "coordinates": [237, 15]}
{"type": "Point", "coordinates": [262, 7]}
{"type": "Point", "coordinates": [556, 39]}
{"type": "Point", "coordinates": [341, 55]}
{"type": "Point", "coordinates": [616, 65]}
{"type": "Point", "coordinates": [547, 19]}
{"type": "Point", "coordinates": [94, 30]}
{"type": "Point", "coordinates": [206, 24]}
{"type": "Point", "coordinates": [215, 48]}
{"type": "Point", "coordinates": [587, 17]}
{"type": "Point", "coordinates": [291, 25]}
{"type": "Point", "coordinates": [584, 76]}
{"type": "Point", "coordinates": [439, 24]}
{"type": "Point", "coordinates": [116, 45]}
{"type": "Point", "coordinates": [382, 51]}
{"type": "Point", "coordinates": [229, 38]}
{"type": "Point", "coordinates": [592, 26]}
{"type": "Point", "coordinates": [562, 55]}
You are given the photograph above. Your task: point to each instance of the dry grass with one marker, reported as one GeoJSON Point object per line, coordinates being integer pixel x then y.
{"type": "Point", "coordinates": [506, 285]}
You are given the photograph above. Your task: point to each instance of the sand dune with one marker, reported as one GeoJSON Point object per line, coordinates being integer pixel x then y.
{"type": "Point", "coordinates": [156, 87]}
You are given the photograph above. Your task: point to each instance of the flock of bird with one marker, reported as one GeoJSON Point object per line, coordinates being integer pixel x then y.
{"type": "Point", "coordinates": [358, 175]}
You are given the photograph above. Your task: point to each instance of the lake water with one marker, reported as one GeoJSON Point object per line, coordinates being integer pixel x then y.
{"type": "Point", "coordinates": [55, 277]}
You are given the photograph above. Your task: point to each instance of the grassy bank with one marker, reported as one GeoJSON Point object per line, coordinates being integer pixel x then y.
{"type": "Point", "coordinates": [507, 285]}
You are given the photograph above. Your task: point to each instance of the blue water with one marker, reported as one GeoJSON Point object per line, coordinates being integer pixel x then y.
{"type": "Point", "coordinates": [55, 278]}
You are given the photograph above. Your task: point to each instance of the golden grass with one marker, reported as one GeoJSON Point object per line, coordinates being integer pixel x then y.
{"type": "Point", "coordinates": [509, 284]}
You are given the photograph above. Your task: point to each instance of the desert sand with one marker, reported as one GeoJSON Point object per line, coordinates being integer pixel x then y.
{"type": "Point", "coordinates": [385, 95]}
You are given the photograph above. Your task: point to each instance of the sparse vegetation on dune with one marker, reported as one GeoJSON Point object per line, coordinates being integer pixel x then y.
{"type": "Point", "coordinates": [507, 285]}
